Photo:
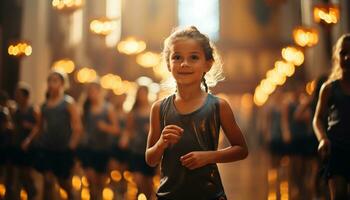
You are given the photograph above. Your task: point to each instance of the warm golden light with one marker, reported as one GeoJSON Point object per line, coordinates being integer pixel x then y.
{"type": "Point", "coordinates": [305, 37]}
{"type": "Point", "coordinates": [2, 190]}
{"type": "Point", "coordinates": [285, 68]}
{"type": "Point", "coordinates": [85, 194]}
{"type": "Point", "coordinates": [161, 71]}
{"type": "Point", "coordinates": [142, 197]}
{"type": "Point", "coordinates": [116, 175]}
{"type": "Point", "coordinates": [20, 49]}
{"type": "Point", "coordinates": [275, 77]}
{"type": "Point", "coordinates": [128, 176]}
{"type": "Point", "coordinates": [107, 194]}
{"type": "Point", "coordinates": [23, 194]}
{"type": "Point", "coordinates": [68, 6]}
{"type": "Point", "coordinates": [85, 181]}
{"type": "Point", "coordinates": [272, 196]}
{"type": "Point", "coordinates": [111, 81]}
{"type": "Point", "coordinates": [76, 182]}
{"type": "Point", "coordinates": [293, 55]}
{"type": "Point", "coordinates": [310, 87]}
{"type": "Point", "coordinates": [131, 46]}
{"type": "Point", "coordinates": [284, 188]}
{"type": "Point", "coordinates": [122, 88]}
{"type": "Point", "coordinates": [272, 175]}
{"type": "Point", "coordinates": [247, 100]}
{"type": "Point", "coordinates": [148, 59]}
{"type": "Point", "coordinates": [156, 181]}
{"type": "Point", "coordinates": [260, 97]}
{"type": "Point", "coordinates": [103, 26]}
{"type": "Point", "coordinates": [267, 86]}
{"type": "Point", "coordinates": [64, 65]}
{"type": "Point", "coordinates": [63, 194]}
{"type": "Point", "coordinates": [326, 14]}
{"type": "Point", "coordinates": [86, 75]}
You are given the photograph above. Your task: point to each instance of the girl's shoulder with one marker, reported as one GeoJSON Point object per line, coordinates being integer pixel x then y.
{"type": "Point", "coordinates": [166, 100]}
{"type": "Point", "coordinates": [219, 100]}
{"type": "Point", "coordinates": [68, 99]}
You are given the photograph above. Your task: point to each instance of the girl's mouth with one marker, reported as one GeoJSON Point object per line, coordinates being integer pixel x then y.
{"type": "Point", "coordinates": [185, 73]}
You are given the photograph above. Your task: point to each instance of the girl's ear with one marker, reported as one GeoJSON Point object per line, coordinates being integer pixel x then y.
{"type": "Point", "coordinates": [209, 63]}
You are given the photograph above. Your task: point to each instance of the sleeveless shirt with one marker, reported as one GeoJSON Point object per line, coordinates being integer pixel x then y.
{"type": "Point", "coordinates": [338, 129]}
{"type": "Point", "coordinates": [95, 138]}
{"type": "Point", "coordinates": [19, 118]}
{"type": "Point", "coordinates": [56, 125]}
{"type": "Point", "coordinates": [138, 142]}
{"type": "Point", "coordinates": [201, 133]}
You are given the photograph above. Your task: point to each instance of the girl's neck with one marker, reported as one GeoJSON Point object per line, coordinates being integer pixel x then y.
{"type": "Point", "coordinates": [189, 92]}
{"type": "Point", "coordinates": [56, 95]}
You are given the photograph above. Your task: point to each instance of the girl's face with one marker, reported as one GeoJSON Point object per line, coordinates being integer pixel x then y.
{"type": "Point", "coordinates": [55, 82]}
{"type": "Point", "coordinates": [187, 62]}
{"type": "Point", "coordinates": [20, 97]}
{"type": "Point", "coordinates": [93, 92]}
{"type": "Point", "coordinates": [344, 56]}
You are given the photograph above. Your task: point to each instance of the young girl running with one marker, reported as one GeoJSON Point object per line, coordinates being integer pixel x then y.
{"type": "Point", "coordinates": [137, 128]}
{"type": "Point", "coordinates": [60, 129]}
{"type": "Point", "coordinates": [25, 118]}
{"type": "Point", "coordinates": [100, 125]}
{"type": "Point", "coordinates": [334, 139]}
{"type": "Point", "coordinates": [185, 126]}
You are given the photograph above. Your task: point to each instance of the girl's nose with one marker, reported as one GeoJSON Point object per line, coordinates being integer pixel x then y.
{"type": "Point", "coordinates": [184, 63]}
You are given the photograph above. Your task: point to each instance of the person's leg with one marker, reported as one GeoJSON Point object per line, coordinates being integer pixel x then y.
{"type": "Point", "coordinates": [66, 185]}
{"type": "Point", "coordinates": [49, 186]}
{"type": "Point", "coordinates": [338, 188]}
{"type": "Point", "coordinates": [28, 182]}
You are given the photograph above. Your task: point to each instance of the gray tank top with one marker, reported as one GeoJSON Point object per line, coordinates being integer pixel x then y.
{"type": "Point", "coordinates": [94, 137]}
{"type": "Point", "coordinates": [201, 133]}
{"type": "Point", "coordinates": [56, 125]}
{"type": "Point", "coordinates": [138, 142]}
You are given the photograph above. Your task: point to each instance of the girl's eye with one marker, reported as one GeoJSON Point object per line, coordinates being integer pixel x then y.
{"type": "Point", "coordinates": [194, 57]}
{"type": "Point", "coordinates": [176, 57]}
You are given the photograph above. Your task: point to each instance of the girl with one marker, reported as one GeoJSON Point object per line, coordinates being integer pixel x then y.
{"type": "Point", "coordinates": [185, 126]}
{"type": "Point", "coordinates": [334, 139]}
{"type": "Point", "coordinates": [100, 124]}
{"type": "Point", "coordinates": [60, 128]}
{"type": "Point", "coordinates": [137, 126]}
{"type": "Point", "coordinates": [26, 118]}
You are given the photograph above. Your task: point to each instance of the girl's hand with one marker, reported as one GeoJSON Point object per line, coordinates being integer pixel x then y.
{"type": "Point", "coordinates": [170, 135]}
{"type": "Point", "coordinates": [123, 142]}
{"type": "Point", "coordinates": [27, 124]}
{"type": "Point", "coordinates": [195, 159]}
{"type": "Point", "coordinates": [25, 144]}
{"type": "Point", "coordinates": [324, 148]}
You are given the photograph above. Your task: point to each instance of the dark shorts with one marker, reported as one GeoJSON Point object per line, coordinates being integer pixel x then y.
{"type": "Point", "coordinates": [120, 155]}
{"type": "Point", "coordinates": [97, 160]}
{"type": "Point", "coordinates": [21, 158]}
{"type": "Point", "coordinates": [338, 164]}
{"type": "Point", "coordinates": [138, 164]}
{"type": "Point", "coordinates": [59, 162]}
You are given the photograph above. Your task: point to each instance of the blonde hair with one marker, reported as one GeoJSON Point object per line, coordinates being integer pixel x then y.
{"type": "Point", "coordinates": [215, 73]}
{"type": "Point", "coordinates": [337, 71]}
